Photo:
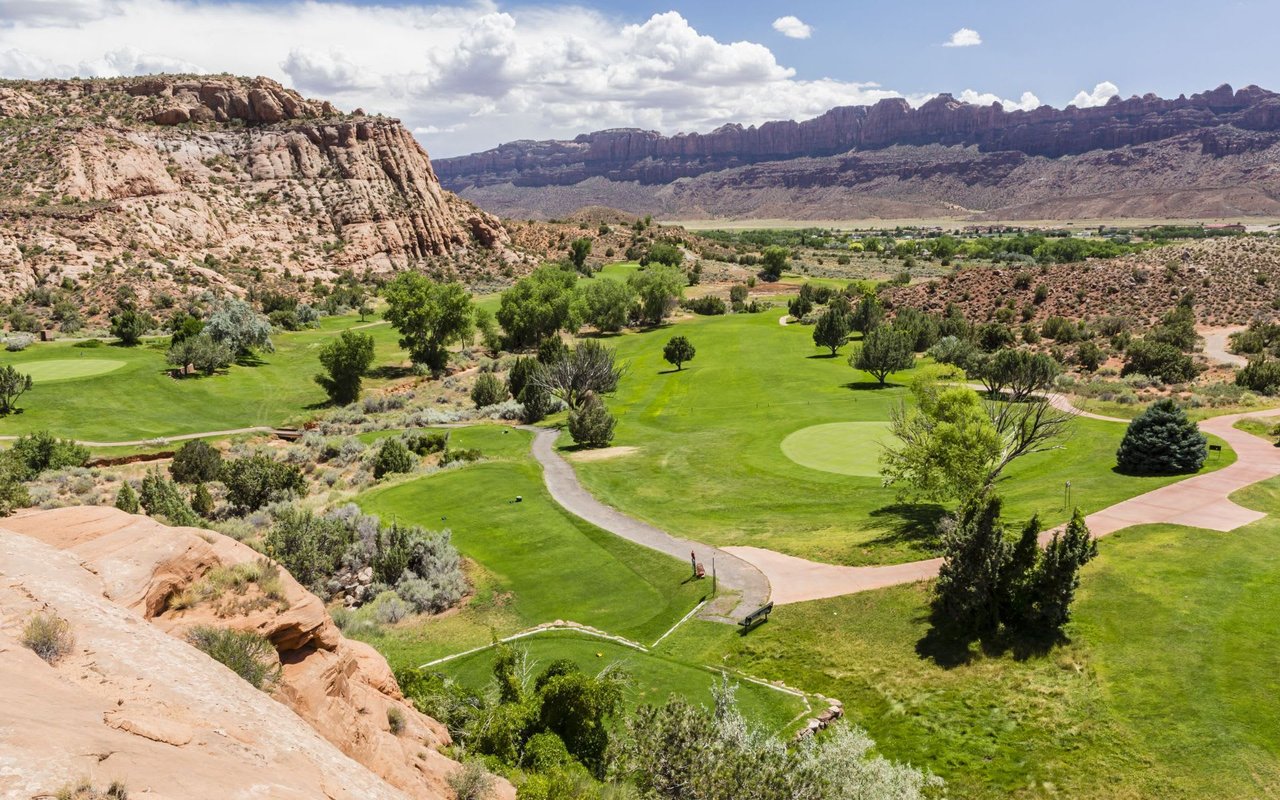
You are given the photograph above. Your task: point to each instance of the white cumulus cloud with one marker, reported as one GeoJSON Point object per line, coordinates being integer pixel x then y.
{"type": "Point", "coordinates": [1026, 102]}
{"type": "Point", "coordinates": [792, 28]}
{"type": "Point", "coordinates": [965, 37]}
{"type": "Point", "coordinates": [1098, 97]}
{"type": "Point", "coordinates": [463, 77]}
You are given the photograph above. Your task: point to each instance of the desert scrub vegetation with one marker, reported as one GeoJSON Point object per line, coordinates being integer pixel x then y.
{"type": "Point", "coordinates": [86, 790]}
{"type": "Point", "coordinates": [348, 554]}
{"type": "Point", "coordinates": [246, 653]}
{"type": "Point", "coordinates": [237, 579]}
{"type": "Point", "coordinates": [48, 636]}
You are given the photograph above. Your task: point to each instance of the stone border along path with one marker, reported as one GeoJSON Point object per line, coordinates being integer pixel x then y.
{"type": "Point", "coordinates": [731, 570]}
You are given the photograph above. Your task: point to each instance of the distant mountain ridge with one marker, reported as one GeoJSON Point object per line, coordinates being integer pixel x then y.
{"type": "Point", "coordinates": [1217, 124]}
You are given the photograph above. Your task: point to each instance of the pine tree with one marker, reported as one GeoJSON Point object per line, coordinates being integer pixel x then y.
{"type": "Point", "coordinates": [127, 498]}
{"type": "Point", "coordinates": [1162, 441]}
{"type": "Point", "coordinates": [202, 501]}
{"type": "Point", "coordinates": [1057, 576]}
{"type": "Point", "coordinates": [968, 591]}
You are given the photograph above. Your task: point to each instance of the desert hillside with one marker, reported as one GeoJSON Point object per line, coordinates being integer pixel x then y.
{"type": "Point", "coordinates": [1212, 154]}
{"type": "Point", "coordinates": [133, 702]}
{"type": "Point", "coordinates": [178, 183]}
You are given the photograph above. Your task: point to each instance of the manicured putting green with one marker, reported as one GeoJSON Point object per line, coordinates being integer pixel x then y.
{"type": "Point", "coordinates": [846, 448]}
{"type": "Point", "coordinates": [69, 369]}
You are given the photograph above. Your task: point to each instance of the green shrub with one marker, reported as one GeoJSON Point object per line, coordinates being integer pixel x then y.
{"type": "Point", "coordinates": [488, 390]}
{"type": "Point", "coordinates": [246, 653]}
{"type": "Point", "coordinates": [310, 547]}
{"type": "Point", "coordinates": [48, 636]}
{"type": "Point", "coordinates": [196, 462]}
{"type": "Point", "coordinates": [127, 498]}
{"type": "Point", "coordinates": [471, 782]}
{"type": "Point", "coordinates": [90, 344]}
{"type": "Point", "coordinates": [202, 501]}
{"type": "Point", "coordinates": [1162, 441]}
{"type": "Point", "coordinates": [161, 498]}
{"type": "Point", "coordinates": [1159, 360]}
{"type": "Point", "coordinates": [256, 480]}
{"type": "Point", "coordinates": [37, 452]}
{"type": "Point", "coordinates": [424, 444]}
{"type": "Point", "coordinates": [1260, 375]}
{"type": "Point", "coordinates": [592, 425]}
{"type": "Point", "coordinates": [393, 456]}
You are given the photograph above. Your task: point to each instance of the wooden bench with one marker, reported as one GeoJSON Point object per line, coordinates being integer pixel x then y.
{"type": "Point", "coordinates": [761, 614]}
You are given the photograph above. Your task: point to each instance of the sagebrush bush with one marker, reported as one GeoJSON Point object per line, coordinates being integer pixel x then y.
{"type": "Point", "coordinates": [471, 782]}
{"type": "Point", "coordinates": [246, 653]}
{"type": "Point", "coordinates": [48, 636]}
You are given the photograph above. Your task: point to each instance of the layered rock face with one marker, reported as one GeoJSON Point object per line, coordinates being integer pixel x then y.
{"type": "Point", "coordinates": [134, 702]}
{"type": "Point", "coordinates": [203, 180]}
{"type": "Point", "coordinates": [945, 157]}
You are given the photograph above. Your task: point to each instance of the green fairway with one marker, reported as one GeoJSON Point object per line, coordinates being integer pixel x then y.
{"type": "Point", "coordinates": [129, 393]}
{"type": "Point", "coordinates": [540, 562]}
{"type": "Point", "coordinates": [1166, 689]}
{"type": "Point", "coordinates": [653, 676]}
{"type": "Point", "coordinates": [846, 448]}
{"type": "Point", "coordinates": [712, 465]}
{"type": "Point", "coordinates": [69, 369]}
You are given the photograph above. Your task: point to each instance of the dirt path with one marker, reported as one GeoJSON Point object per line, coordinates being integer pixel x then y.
{"type": "Point", "coordinates": [161, 439]}
{"type": "Point", "coordinates": [1215, 346]}
{"type": "Point", "coordinates": [562, 482]}
{"type": "Point", "coordinates": [1201, 501]}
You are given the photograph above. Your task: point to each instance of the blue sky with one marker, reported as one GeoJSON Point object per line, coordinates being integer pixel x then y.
{"type": "Point", "coordinates": [470, 74]}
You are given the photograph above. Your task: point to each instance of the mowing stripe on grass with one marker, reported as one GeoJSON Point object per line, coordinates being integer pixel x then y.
{"type": "Point", "coordinates": [682, 621]}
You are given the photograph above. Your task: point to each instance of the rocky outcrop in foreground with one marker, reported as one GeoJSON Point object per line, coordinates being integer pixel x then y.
{"type": "Point", "coordinates": [1211, 154]}
{"type": "Point", "coordinates": [179, 183]}
{"type": "Point", "coordinates": [134, 702]}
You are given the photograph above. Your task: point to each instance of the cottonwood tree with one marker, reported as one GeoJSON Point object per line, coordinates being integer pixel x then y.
{"type": "Point", "coordinates": [538, 306]}
{"type": "Point", "coordinates": [884, 351]}
{"type": "Point", "coordinates": [677, 351]}
{"type": "Point", "coordinates": [579, 249]}
{"type": "Point", "coordinates": [13, 384]}
{"type": "Point", "coordinates": [605, 305]}
{"type": "Point", "coordinates": [659, 288]}
{"type": "Point", "coordinates": [345, 359]}
{"type": "Point", "coordinates": [774, 261]}
{"type": "Point", "coordinates": [588, 370]}
{"type": "Point", "coordinates": [952, 445]}
{"type": "Point", "coordinates": [429, 316]}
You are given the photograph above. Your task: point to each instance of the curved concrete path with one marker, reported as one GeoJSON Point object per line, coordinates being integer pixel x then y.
{"type": "Point", "coordinates": [1201, 501]}
{"type": "Point", "coordinates": [563, 484]}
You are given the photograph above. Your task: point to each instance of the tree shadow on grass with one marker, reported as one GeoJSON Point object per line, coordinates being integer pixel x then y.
{"type": "Point", "coordinates": [950, 646]}
{"type": "Point", "coordinates": [914, 524]}
{"type": "Point", "coordinates": [250, 359]}
{"type": "Point", "coordinates": [823, 356]}
{"type": "Point", "coordinates": [862, 386]}
{"type": "Point", "coordinates": [389, 372]}
{"type": "Point", "coordinates": [671, 371]}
